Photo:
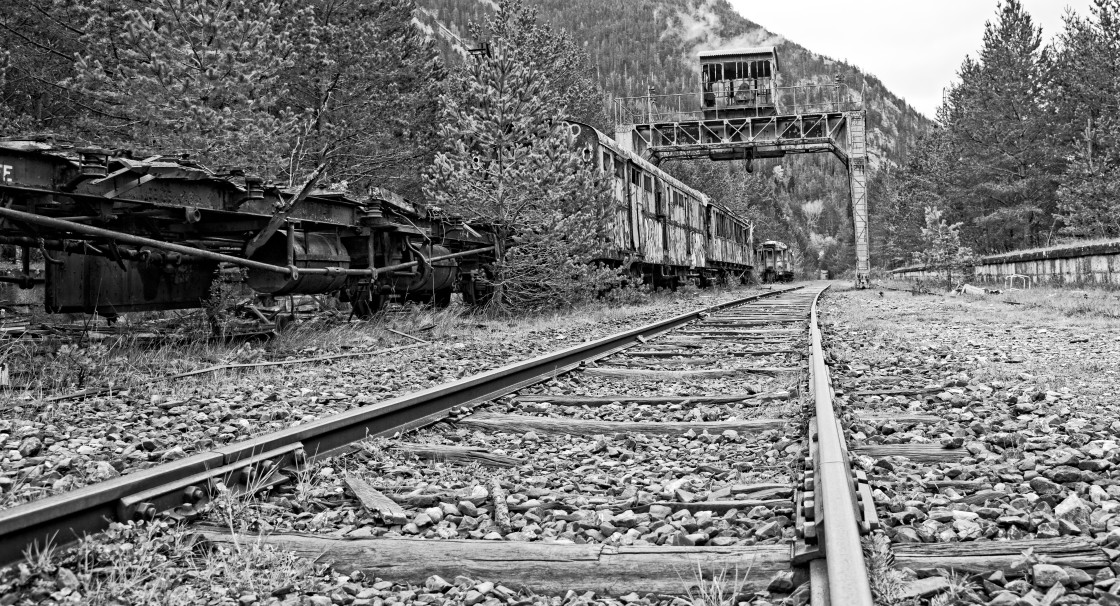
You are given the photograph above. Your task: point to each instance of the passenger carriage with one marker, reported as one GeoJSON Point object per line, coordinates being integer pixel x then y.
{"type": "Point", "coordinates": [664, 231]}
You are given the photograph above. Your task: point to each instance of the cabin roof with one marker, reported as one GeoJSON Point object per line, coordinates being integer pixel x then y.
{"type": "Point", "coordinates": [728, 53]}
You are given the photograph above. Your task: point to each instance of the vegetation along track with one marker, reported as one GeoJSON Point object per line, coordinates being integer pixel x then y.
{"type": "Point", "coordinates": [661, 460]}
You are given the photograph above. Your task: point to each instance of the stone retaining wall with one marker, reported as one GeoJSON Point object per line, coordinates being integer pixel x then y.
{"type": "Point", "coordinates": [1075, 265]}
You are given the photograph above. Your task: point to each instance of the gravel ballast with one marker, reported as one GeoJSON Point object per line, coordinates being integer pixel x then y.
{"type": "Point", "coordinates": [1015, 413]}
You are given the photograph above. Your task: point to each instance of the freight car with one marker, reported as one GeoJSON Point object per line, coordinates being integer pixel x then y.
{"type": "Point", "coordinates": [664, 231]}
{"type": "Point", "coordinates": [774, 261]}
{"type": "Point", "coordinates": [120, 234]}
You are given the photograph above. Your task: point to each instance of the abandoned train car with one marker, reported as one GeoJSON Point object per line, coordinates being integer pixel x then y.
{"type": "Point", "coordinates": [665, 231]}
{"type": "Point", "coordinates": [122, 234]}
{"type": "Point", "coordinates": [774, 261]}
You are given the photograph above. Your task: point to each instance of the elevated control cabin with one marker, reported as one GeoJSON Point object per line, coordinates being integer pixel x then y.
{"type": "Point", "coordinates": [739, 82]}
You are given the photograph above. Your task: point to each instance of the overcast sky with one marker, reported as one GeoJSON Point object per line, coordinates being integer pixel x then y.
{"type": "Point", "coordinates": [913, 46]}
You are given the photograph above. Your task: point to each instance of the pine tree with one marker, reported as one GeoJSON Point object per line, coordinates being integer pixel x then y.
{"type": "Point", "coordinates": [568, 70]}
{"type": "Point", "coordinates": [1002, 133]}
{"type": "Point", "coordinates": [202, 77]}
{"type": "Point", "coordinates": [1087, 92]}
{"type": "Point", "coordinates": [941, 248]}
{"type": "Point", "coordinates": [367, 89]}
{"type": "Point", "coordinates": [512, 162]}
{"type": "Point", "coordinates": [38, 41]}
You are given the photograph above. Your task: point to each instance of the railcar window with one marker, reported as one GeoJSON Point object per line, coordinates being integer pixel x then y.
{"type": "Point", "coordinates": [606, 162]}
{"type": "Point", "coordinates": [618, 168]}
{"type": "Point", "coordinates": [647, 183]}
{"type": "Point", "coordinates": [635, 176]}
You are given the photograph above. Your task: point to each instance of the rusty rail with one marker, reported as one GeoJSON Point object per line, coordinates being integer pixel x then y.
{"type": "Point", "coordinates": [847, 580]}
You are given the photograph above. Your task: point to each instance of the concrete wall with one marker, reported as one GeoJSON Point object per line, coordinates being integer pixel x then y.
{"type": "Point", "coordinates": [1076, 265]}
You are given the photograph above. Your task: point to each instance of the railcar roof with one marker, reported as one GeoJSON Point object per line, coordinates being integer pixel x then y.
{"type": "Point", "coordinates": [609, 143]}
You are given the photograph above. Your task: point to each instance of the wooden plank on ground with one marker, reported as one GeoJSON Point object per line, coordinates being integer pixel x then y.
{"type": "Point", "coordinates": [545, 568]}
{"type": "Point", "coordinates": [727, 323]}
{"type": "Point", "coordinates": [908, 391]}
{"type": "Point", "coordinates": [918, 453]}
{"type": "Point", "coordinates": [554, 425]}
{"type": "Point", "coordinates": [720, 507]}
{"type": "Point", "coordinates": [459, 454]}
{"type": "Point", "coordinates": [733, 354]}
{"type": "Point", "coordinates": [372, 499]}
{"type": "Point", "coordinates": [901, 417]}
{"type": "Point", "coordinates": [671, 375]}
{"type": "Point", "coordinates": [989, 556]}
{"type": "Point", "coordinates": [561, 400]}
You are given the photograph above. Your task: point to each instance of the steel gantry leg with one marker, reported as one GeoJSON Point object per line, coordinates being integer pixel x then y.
{"type": "Point", "coordinates": [857, 177]}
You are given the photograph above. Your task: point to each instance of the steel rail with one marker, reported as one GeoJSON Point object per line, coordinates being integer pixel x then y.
{"type": "Point", "coordinates": [848, 584]}
{"type": "Point", "coordinates": [66, 517]}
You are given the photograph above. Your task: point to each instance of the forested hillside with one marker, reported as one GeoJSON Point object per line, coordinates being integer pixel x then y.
{"type": "Point", "coordinates": [641, 43]}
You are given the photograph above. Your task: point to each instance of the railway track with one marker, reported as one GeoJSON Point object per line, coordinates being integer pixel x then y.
{"type": "Point", "coordinates": [650, 462]}
{"type": "Point", "coordinates": [987, 447]}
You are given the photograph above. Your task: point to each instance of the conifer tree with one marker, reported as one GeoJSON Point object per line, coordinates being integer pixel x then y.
{"type": "Point", "coordinates": [1087, 94]}
{"type": "Point", "coordinates": [941, 248]}
{"type": "Point", "coordinates": [1000, 129]}
{"type": "Point", "coordinates": [367, 87]}
{"type": "Point", "coordinates": [511, 161]}
{"type": "Point", "coordinates": [566, 68]}
{"type": "Point", "coordinates": [196, 76]}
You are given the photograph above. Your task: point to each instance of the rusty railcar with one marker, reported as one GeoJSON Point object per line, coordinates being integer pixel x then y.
{"type": "Point", "coordinates": [120, 233]}
{"type": "Point", "coordinates": [665, 231]}
{"type": "Point", "coordinates": [774, 261]}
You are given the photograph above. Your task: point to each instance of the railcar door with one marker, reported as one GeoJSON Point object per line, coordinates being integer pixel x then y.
{"type": "Point", "coordinates": [701, 235]}
{"type": "Point", "coordinates": [651, 227]}
{"type": "Point", "coordinates": [634, 200]}
{"type": "Point", "coordinates": [621, 232]}
{"type": "Point", "coordinates": [680, 237]}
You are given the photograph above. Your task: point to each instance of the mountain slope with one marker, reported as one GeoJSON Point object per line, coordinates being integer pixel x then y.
{"type": "Point", "coordinates": [641, 43]}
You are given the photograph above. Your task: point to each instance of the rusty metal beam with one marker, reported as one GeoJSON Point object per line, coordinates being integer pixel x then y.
{"type": "Point", "coordinates": [98, 232]}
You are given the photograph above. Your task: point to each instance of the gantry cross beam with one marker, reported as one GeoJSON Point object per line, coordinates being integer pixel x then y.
{"type": "Point", "coordinates": [823, 126]}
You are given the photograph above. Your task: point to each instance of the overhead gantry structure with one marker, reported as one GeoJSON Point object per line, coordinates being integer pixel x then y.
{"type": "Point", "coordinates": [742, 114]}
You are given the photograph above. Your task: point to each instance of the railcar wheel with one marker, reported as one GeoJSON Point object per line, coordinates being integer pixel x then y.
{"type": "Point", "coordinates": [367, 307]}
{"type": "Point", "coordinates": [442, 297]}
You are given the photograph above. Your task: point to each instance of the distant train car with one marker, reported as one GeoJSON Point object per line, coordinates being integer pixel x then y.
{"type": "Point", "coordinates": [739, 82]}
{"type": "Point", "coordinates": [664, 231]}
{"type": "Point", "coordinates": [774, 262]}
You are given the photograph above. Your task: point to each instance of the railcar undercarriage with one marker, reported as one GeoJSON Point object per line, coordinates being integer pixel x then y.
{"type": "Point", "coordinates": [120, 234]}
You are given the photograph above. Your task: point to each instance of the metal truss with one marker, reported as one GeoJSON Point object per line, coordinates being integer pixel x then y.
{"type": "Point", "coordinates": [841, 133]}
